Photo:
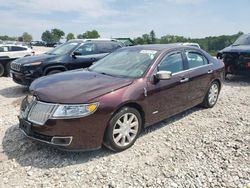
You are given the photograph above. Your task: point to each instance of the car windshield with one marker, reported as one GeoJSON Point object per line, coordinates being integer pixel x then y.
{"type": "Point", "coordinates": [63, 49]}
{"type": "Point", "coordinates": [126, 62]}
{"type": "Point", "coordinates": [242, 40]}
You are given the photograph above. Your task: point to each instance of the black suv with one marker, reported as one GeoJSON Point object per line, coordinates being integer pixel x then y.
{"type": "Point", "coordinates": [237, 56]}
{"type": "Point", "coordinates": [73, 54]}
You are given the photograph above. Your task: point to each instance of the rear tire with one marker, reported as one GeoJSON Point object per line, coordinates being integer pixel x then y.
{"type": "Point", "coordinates": [123, 129]}
{"type": "Point", "coordinates": [7, 69]}
{"type": "Point", "coordinates": [2, 70]}
{"type": "Point", "coordinates": [212, 95]}
{"type": "Point", "coordinates": [54, 72]}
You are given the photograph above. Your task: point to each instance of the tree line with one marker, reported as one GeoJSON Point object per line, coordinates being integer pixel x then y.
{"type": "Point", "coordinates": [209, 44]}
{"type": "Point", "coordinates": [25, 37]}
{"type": "Point", "coordinates": [54, 35]}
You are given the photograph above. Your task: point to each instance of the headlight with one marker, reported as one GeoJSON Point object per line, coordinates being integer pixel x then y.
{"type": "Point", "coordinates": [75, 111]}
{"type": "Point", "coordinates": [29, 98]}
{"type": "Point", "coordinates": [33, 64]}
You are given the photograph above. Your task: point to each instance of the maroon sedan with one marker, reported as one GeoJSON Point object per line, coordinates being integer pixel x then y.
{"type": "Point", "coordinates": [113, 100]}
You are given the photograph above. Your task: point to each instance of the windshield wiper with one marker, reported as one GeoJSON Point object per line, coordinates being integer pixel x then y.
{"type": "Point", "coordinates": [236, 44]}
{"type": "Point", "coordinates": [49, 53]}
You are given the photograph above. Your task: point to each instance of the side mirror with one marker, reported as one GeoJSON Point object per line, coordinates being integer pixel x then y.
{"type": "Point", "coordinates": [163, 75]}
{"type": "Point", "coordinates": [75, 53]}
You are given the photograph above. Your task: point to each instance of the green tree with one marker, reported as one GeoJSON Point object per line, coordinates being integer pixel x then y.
{"type": "Point", "coordinates": [80, 36]}
{"type": "Point", "coordinates": [70, 36]}
{"type": "Point", "coordinates": [27, 37]}
{"type": "Point", "coordinates": [20, 39]}
{"type": "Point", "coordinates": [47, 36]}
{"type": "Point", "coordinates": [5, 37]}
{"type": "Point", "coordinates": [152, 37]}
{"type": "Point", "coordinates": [138, 40]}
{"type": "Point", "coordinates": [57, 34]}
{"type": "Point", "coordinates": [52, 36]}
{"type": "Point", "coordinates": [146, 39]}
{"type": "Point", "coordinates": [90, 34]}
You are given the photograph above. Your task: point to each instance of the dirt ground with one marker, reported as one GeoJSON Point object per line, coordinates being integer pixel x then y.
{"type": "Point", "coordinates": [197, 148]}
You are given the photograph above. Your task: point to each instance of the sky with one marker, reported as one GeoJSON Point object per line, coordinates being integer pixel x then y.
{"type": "Point", "coordinates": [125, 18]}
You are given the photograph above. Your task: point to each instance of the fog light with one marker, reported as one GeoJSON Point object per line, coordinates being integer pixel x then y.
{"type": "Point", "coordinates": [61, 141]}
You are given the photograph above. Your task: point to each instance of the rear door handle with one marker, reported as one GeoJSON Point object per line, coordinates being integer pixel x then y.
{"type": "Point", "coordinates": [184, 80]}
{"type": "Point", "coordinates": [210, 71]}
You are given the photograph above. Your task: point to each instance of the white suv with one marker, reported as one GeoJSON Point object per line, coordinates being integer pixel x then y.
{"type": "Point", "coordinates": [9, 52]}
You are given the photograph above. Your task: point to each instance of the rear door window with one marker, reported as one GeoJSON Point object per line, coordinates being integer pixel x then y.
{"type": "Point", "coordinates": [105, 47]}
{"type": "Point", "coordinates": [195, 59]}
{"type": "Point", "coordinates": [17, 48]}
{"type": "Point", "coordinates": [172, 63]}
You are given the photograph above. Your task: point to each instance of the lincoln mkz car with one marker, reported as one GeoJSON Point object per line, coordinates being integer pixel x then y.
{"type": "Point", "coordinates": [110, 102]}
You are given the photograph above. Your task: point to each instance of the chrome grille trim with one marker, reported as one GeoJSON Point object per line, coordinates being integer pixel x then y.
{"type": "Point", "coordinates": [40, 112]}
{"type": "Point", "coordinates": [15, 66]}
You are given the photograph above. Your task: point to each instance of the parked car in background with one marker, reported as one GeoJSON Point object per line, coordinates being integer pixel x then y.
{"type": "Point", "coordinates": [190, 44]}
{"type": "Point", "coordinates": [38, 43]}
{"type": "Point", "coordinates": [74, 54]}
{"type": "Point", "coordinates": [237, 56]}
{"type": "Point", "coordinates": [10, 52]}
{"type": "Point", "coordinates": [126, 41]}
{"type": "Point", "coordinates": [113, 100]}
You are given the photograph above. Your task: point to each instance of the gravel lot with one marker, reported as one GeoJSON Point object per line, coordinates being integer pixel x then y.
{"type": "Point", "coordinates": [198, 148]}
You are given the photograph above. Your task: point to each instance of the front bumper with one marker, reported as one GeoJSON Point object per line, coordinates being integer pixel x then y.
{"type": "Point", "coordinates": [68, 134]}
{"type": "Point", "coordinates": [21, 78]}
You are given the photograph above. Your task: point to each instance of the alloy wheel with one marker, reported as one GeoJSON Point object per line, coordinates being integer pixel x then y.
{"type": "Point", "coordinates": [213, 94]}
{"type": "Point", "coordinates": [125, 129]}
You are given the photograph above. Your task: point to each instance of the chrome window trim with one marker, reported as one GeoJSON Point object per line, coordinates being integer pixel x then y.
{"type": "Point", "coordinates": [192, 69]}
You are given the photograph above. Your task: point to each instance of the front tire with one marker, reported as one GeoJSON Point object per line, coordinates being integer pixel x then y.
{"type": "Point", "coordinates": [123, 129]}
{"type": "Point", "coordinates": [54, 72]}
{"type": "Point", "coordinates": [212, 95]}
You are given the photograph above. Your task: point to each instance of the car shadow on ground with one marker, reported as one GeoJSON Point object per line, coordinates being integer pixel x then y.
{"type": "Point", "coordinates": [31, 153]}
{"type": "Point", "coordinates": [233, 80]}
{"type": "Point", "coordinates": [14, 92]}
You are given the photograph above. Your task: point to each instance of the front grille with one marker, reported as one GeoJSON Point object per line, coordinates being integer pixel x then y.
{"type": "Point", "coordinates": [15, 66]}
{"type": "Point", "coordinates": [40, 112]}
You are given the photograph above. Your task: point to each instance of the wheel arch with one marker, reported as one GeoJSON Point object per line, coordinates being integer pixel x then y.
{"type": "Point", "coordinates": [131, 104]}
{"type": "Point", "coordinates": [55, 67]}
{"type": "Point", "coordinates": [218, 81]}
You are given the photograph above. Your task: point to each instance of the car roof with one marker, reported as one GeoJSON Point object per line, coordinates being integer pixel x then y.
{"type": "Point", "coordinates": [89, 40]}
{"type": "Point", "coordinates": [13, 45]}
{"type": "Point", "coordinates": [160, 47]}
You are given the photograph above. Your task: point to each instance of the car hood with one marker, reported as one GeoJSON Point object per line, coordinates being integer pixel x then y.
{"type": "Point", "coordinates": [36, 58]}
{"type": "Point", "coordinates": [237, 49]}
{"type": "Point", "coordinates": [75, 87]}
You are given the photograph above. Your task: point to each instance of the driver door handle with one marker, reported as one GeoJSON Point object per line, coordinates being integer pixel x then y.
{"type": "Point", "coordinates": [184, 80]}
{"type": "Point", "coordinates": [210, 71]}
